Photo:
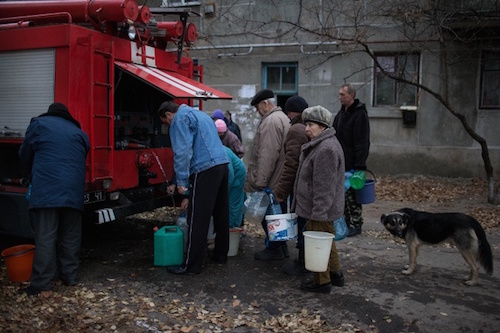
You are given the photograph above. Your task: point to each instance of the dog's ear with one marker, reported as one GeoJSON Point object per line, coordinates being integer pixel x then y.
{"type": "Point", "coordinates": [382, 218]}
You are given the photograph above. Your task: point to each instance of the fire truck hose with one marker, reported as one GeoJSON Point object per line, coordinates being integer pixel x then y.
{"type": "Point", "coordinates": [164, 175]}
{"type": "Point", "coordinates": [161, 166]}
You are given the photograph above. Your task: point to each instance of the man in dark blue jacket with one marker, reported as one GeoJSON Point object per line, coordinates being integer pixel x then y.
{"type": "Point", "coordinates": [353, 131]}
{"type": "Point", "coordinates": [54, 151]}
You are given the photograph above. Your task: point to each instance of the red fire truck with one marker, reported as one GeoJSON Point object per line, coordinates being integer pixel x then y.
{"type": "Point", "coordinates": [112, 63]}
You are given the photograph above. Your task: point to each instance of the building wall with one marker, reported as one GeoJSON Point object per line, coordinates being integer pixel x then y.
{"type": "Point", "coordinates": [437, 145]}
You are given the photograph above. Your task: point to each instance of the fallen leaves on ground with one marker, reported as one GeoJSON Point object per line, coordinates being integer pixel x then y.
{"type": "Point", "coordinates": [119, 308]}
{"type": "Point", "coordinates": [405, 189]}
{"type": "Point", "coordinates": [428, 189]}
{"type": "Point", "coordinates": [114, 307]}
{"type": "Point", "coordinates": [168, 215]}
{"type": "Point", "coordinates": [443, 192]}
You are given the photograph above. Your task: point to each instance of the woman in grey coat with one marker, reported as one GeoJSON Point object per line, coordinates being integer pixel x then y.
{"type": "Point", "coordinates": [319, 189]}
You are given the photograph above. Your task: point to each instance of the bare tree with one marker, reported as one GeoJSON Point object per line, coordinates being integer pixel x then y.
{"type": "Point", "coordinates": [458, 27]}
{"type": "Point", "coordinates": [454, 31]}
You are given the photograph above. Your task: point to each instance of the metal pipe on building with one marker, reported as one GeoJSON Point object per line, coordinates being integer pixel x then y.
{"type": "Point", "coordinates": [252, 46]}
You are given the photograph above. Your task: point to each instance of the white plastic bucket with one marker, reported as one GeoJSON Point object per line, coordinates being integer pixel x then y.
{"type": "Point", "coordinates": [234, 241]}
{"type": "Point", "coordinates": [317, 247]}
{"type": "Point", "coordinates": [282, 227]}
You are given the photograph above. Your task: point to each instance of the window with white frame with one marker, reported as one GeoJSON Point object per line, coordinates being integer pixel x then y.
{"type": "Point", "coordinates": [391, 92]}
{"type": "Point", "coordinates": [490, 80]}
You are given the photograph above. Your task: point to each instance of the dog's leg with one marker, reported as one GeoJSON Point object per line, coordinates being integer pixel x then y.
{"type": "Point", "coordinates": [413, 252]}
{"type": "Point", "coordinates": [470, 257]}
{"type": "Point", "coordinates": [467, 244]}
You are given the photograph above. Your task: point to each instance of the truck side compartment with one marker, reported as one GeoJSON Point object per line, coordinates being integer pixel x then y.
{"type": "Point", "coordinates": [111, 69]}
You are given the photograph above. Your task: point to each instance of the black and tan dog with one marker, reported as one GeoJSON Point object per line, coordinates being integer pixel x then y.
{"type": "Point", "coordinates": [417, 228]}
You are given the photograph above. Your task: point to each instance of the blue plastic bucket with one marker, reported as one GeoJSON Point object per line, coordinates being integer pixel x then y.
{"type": "Point", "coordinates": [366, 195]}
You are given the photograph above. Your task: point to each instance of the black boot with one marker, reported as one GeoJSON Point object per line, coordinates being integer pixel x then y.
{"type": "Point", "coordinates": [316, 288]}
{"type": "Point", "coordinates": [353, 231]}
{"type": "Point", "coordinates": [337, 278]}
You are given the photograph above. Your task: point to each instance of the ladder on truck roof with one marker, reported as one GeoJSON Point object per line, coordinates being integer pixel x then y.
{"type": "Point", "coordinates": [102, 110]}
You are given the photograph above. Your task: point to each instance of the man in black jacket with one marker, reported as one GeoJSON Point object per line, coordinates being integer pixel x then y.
{"type": "Point", "coordinates": [353, 131]}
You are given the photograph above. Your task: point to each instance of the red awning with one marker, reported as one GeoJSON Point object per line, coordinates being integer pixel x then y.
{"type": "Point", "coordinates": [174, 84]}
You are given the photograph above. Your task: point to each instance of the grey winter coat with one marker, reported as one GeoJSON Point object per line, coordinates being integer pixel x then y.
{"type": "Point", "coordinates": [319, 186]}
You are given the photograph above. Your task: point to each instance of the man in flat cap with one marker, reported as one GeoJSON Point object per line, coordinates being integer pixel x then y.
{"type": "Point", "coordinates": [267, 159]}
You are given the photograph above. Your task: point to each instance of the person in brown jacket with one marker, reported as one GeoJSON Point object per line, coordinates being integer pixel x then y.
{"type": "Point", "coordinates": [295, 138]}
{"type": "Point", "coordinates": [265, 164]}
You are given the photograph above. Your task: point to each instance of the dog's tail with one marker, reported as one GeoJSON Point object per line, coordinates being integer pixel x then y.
{"type": "Point", "coordinates": [485, 255]}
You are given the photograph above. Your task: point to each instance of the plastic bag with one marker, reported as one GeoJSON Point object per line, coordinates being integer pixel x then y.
{"type": "Point", "coordinates": [347, 180]}
{"type": "Point", "coordinates": [274, 206]}
{"type": "Point", "coordinates": [256, 206]}
{"type": "Point", "coordinates": [341, 230]}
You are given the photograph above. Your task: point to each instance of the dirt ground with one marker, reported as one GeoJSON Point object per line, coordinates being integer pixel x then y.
{"type": "Point", "coordinates": [120, 290]}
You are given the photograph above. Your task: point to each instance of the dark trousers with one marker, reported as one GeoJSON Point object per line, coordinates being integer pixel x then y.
{"type": "Point", "coordinates": [352, 209]}
{"type": "Point", "coordinates": [208, 196]}
{"type": "Point", "coordinates": [58, 237]}
{"type": "Point", "coordinates": [301, 226]}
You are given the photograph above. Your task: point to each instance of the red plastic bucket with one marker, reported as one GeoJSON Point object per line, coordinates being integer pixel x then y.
{"type": "Point", "coordinates": [19, 262]}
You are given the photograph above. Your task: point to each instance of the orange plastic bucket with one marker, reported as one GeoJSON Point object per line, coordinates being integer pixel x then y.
{"type": "Point", "coordinates": [19, 262]}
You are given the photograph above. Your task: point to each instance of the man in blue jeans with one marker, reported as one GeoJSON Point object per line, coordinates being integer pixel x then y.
{"type": "Point", "coordinates": [266, 161]}
{"type": "Point", "coordinates": [200, 163]}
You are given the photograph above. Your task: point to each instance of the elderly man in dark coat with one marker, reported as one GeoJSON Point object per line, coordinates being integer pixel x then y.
{"type": "Point", "coordinates": [54, 151]}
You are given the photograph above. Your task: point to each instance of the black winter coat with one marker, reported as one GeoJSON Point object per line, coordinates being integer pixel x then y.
{"type": "Point", "coordinates": [353, 132]}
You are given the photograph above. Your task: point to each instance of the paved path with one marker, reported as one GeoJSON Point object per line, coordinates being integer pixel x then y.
{"type": "Point", "coordinates": [376, 298]}
{"type": "Point", "coordinates": [118, 257]}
